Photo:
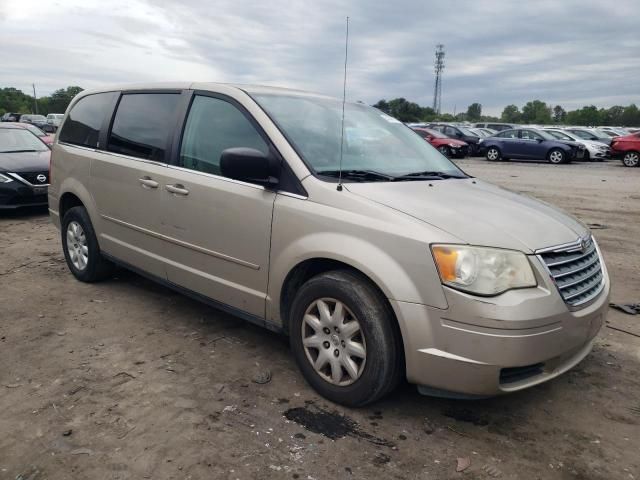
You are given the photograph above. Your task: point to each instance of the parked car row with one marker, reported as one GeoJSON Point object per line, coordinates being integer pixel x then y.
{"type": "Point", "coordinates": [556, 144]}
{"type": "Point", "coordinates": [48, 124]}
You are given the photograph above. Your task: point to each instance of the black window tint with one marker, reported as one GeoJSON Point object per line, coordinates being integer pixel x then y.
{"type": "Point", "coordinates": [213, 125]}
{"type": "Point", "coordinates": [142, 125]}
{"type": "Point", "coordinates": [83, 124]}
{"type": "Point", "coordinates": [508, 134]}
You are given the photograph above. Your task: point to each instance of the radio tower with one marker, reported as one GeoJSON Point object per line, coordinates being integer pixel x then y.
{"type": "Point", "coordinates": [439, 67]}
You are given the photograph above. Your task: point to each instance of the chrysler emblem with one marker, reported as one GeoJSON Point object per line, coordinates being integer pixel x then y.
{"type": "Point", "coordinates": [41, 178]}
{"type": "Point", "coordinates": [583, 245]}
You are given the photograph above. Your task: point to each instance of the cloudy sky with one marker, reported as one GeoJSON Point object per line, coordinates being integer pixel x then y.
{"type": "Point", "coordinates": [571, 52]}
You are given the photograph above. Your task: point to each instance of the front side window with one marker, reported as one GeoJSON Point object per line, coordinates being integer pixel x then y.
{"type": "Point", "coordinates": [213, 125]}
{"type": "Point", "coordinates": [508, 134]}
{"type": "Point", "coordinates": [143, 124]}
{"type": "Point", "coordinates": [530, 135]}
{"type": "Point", "coordinates": [85, 119]}
{"type": "Point", "coordinates": [373, 141]}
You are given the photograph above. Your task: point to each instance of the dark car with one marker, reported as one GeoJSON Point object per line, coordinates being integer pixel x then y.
{"type": "Point", "coordinates": [39, 121]}
{"type": "Point", "coordinates": [459, 133]}
{"type": "Point", "coordinates": [449, 147]}
{"type": "Point", "coordinates": [24, 168]}
{"type": "Point", "coordinates": [530, 144]}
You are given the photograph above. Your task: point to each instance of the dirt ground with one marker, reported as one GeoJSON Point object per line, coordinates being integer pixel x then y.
{"type": "Point", "coordinates": [128, 380]}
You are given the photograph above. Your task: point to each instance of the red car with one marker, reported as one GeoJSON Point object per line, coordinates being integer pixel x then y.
{"type": "Point", "coordinates": [449, 147]}
{"type": "Point", "coordinates": [627, 148]}
{"type": "Point", "coordinates": [45, 137]}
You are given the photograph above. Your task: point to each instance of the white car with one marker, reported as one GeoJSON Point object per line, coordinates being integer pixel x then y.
{"type": "Point", "coordinates": [593, 150]}
{"type": "Point", "coordinates": [55, 119]}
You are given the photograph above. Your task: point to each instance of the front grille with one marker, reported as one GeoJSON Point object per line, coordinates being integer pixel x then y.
{"type": "Point", "coordinates": [576, 271]}
{"type": "Point", "coordinates": [32, 177]}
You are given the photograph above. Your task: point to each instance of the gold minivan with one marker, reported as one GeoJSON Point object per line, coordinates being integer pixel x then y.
{"type": "Point", "coordinates": [377, 256]}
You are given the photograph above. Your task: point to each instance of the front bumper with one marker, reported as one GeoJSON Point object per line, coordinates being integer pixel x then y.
{"type": "Point", "coordinates": [17, 194]}
{"type": "Point", "coordinates": [491, 346]}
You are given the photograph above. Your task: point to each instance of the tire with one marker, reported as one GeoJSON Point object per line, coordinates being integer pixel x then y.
{"type": "Point", "coordinates": [374, 351]}
{"type": "Point", "coordinates": [83, 255]}
{"type": "Point", "coordinates": [631, 159]}
{"type": "Point", "coordinates": [444, 150]}
{"type": "Point", "coordinates": [493, 154]}
{"type": "Point", "coordinates": [556, 156]}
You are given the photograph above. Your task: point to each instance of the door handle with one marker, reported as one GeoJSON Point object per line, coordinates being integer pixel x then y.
{"type": "Point", "coordinates": [146, 182]}
{"type": "Point", "coordinates": [177, 189]}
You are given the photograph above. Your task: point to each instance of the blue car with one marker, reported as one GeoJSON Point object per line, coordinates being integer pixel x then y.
{"type": "Point", "coordinates": [530, 144]}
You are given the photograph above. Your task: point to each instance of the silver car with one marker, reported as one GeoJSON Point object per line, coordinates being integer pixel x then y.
{"type": "Point", "coordinates": [377, 256]}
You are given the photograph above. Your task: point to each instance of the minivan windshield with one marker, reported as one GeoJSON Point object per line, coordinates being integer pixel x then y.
{"type": "Point", "coordinates": [376, 147]}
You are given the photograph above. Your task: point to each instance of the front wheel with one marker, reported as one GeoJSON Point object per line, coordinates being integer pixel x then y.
{"type": "Point", "coordinates": [343, 338]}
{"type": "Point", "coordinates": [631, 159]}
{"type": "Point", "coordinates": [493, 154]}
{"type": "Point", "coordinates": [81, 249]}
{"type": "Point", "coordinates": [557, 156]}
{"type": "Point", "coordinates": [444, 150]}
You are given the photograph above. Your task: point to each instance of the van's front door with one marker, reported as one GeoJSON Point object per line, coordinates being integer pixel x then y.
{"type": "Point", "coordinates": [218, 230]}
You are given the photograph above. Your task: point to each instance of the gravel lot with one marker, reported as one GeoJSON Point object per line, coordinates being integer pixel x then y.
{"type": "Point", "coordinates": [128, 380]}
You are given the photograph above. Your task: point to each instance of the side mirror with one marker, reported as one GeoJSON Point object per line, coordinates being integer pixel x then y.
{"type": "Point", "coordinates": [540, 140]}
{"type": "Point", "coordinates": [249, 165]}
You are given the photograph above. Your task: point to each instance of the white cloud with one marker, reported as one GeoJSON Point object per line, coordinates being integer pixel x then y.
{"type": "Point", "coordinates": [498, 52]}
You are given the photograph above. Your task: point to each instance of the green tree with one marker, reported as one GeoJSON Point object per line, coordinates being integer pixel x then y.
{"type": "Point", "coordinates": [536, 111]}
{"type": "Point", "coordinates": [60, 99]}
{"type": "Point", "coordinates": [631, 116]}
{"type": "Point", "coordinates": [474, 112]}
{"type": "Point", "coordinates": [14, 100]}
{"type": "Point", "coordinates": [559, 114]}
{"type": "Point", "coordinates": [589, 115]}
{"type": "Point", "coordinates": [511, 114]}
{"type": "Point", "coordinates": [382, 105]}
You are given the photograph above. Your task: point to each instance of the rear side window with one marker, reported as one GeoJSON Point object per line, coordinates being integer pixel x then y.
{"type": "Point", "coordinates": [213, 125]}
{"type": "Point", "coordinates": [85, 119]}
{"type": "Point", "coordinates": [142, 125]}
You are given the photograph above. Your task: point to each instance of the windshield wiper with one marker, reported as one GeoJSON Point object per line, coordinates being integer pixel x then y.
{"type": "Point", "coordinates": [361, 175]}
{"type": "Point", "coordinates": [19, 151]}
{"type": "Point", "coordinates": [428, 176]}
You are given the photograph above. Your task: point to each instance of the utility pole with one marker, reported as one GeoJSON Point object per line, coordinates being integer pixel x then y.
{"type": "Point", "coordinates": [437, 89]}
{"type": "Point", "coordinates": [35, 99]}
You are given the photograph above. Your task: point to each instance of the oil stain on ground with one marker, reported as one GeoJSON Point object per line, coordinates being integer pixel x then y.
{"type": "Point", "coordinates": [332, 425]}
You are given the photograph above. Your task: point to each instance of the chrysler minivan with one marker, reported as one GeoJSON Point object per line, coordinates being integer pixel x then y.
{"type": "Point", "coordinates": [375, 254]}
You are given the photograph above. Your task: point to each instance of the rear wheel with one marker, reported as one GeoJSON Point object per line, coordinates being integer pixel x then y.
{"type": "Point", "coordinates": [343, 338]}
{"type": "Point", "coordinates": [81, 249]}
{"type": "Point", "coordinates": [557, 156]}
{"type": "Point", "coordinates": [631, 159]}
{"type": "Point", "coordinates": [493, 154]}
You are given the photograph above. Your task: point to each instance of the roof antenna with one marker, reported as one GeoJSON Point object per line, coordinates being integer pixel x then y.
{"type": "Point", "coordinates": [344, 97]}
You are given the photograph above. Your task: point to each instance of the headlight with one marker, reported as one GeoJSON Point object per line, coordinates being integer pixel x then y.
{"type": "Point", "coordinates": [453, 145]}
{"type": "Point", "coordinates": [481, 270]}
{"type": "Point", "coordinates": [5, 179]}
{"type": "Point", "coordinates": [480, 141]}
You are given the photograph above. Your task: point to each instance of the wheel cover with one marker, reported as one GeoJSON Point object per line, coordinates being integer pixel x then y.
{"type": "Point", "coordinates": [493, 154]}
{"type": "Point", "coordinates": [556, 156]}
{"type": "Point", "coordinates": [77, 245]}
{"type": "Point", "coordinates": [631, 159]}
{"type": "Point", "coordinates": [333, 341]}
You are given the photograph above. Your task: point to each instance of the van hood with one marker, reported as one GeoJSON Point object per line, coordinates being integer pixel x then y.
{"type": "Point", "coordinates": [477, 212]}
